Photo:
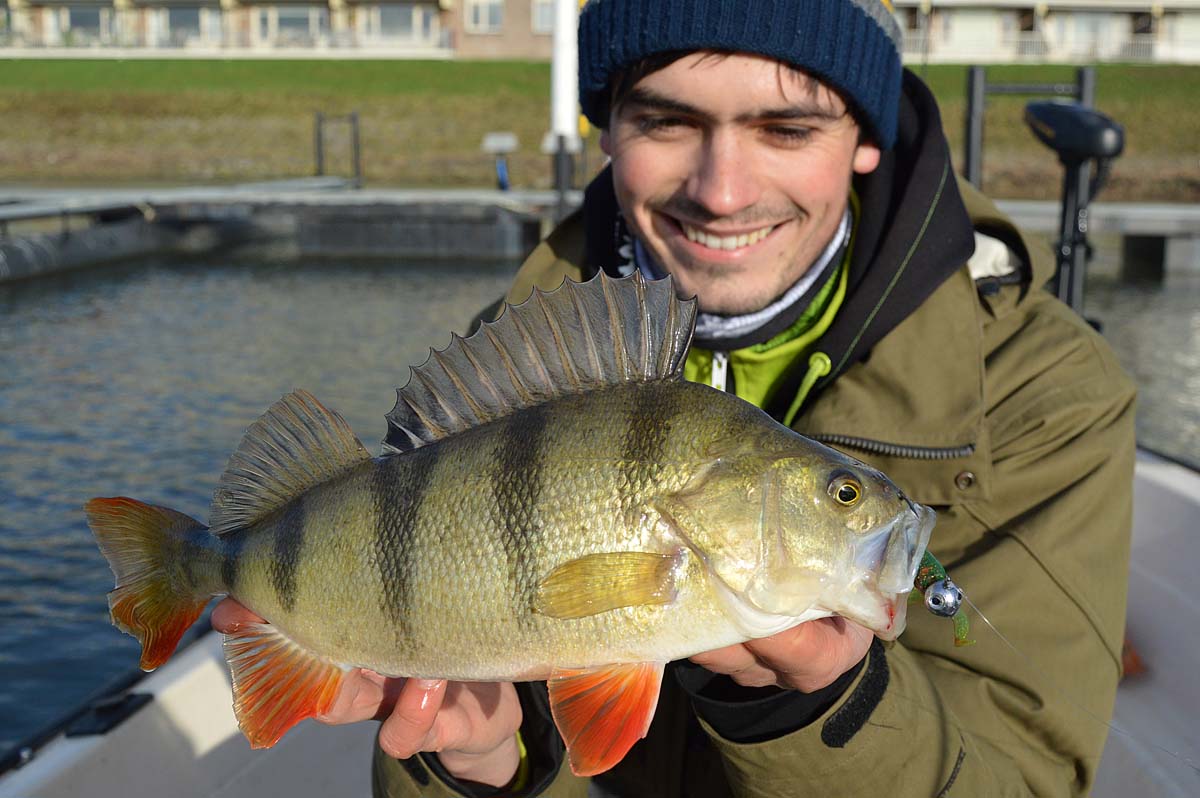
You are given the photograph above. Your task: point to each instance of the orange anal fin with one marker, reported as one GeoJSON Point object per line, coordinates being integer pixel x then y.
{"type": "Point", "coordinates": [602, 712]}
{"type": "Point", "coordinates": [276, 683]}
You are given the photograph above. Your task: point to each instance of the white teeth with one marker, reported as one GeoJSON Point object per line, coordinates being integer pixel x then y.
{"type": "Point", "coordinates": [725, 242]}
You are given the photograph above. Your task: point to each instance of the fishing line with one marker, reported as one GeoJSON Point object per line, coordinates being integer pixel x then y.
{"type": "Point", "coordinates": [1186, 760]}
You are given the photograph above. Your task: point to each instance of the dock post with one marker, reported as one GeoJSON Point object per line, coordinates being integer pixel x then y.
{"type": "Point", "coordinates": [356, 149]}
{"type": "Point", "coordinates": [319, 142]}
{"type": "Point", "coordinates": [564, 171]}
{"type": "Point", "coordinates": [973, 140]}
{"type": "Point", "coordinates": [1085, 82]}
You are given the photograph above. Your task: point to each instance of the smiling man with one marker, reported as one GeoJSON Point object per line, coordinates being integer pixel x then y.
{"type": "Point", "coordinates": [777, 161]}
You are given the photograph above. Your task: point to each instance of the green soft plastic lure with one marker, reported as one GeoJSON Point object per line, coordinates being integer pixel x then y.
{"type": "Point", "coordinates": [942, 597]}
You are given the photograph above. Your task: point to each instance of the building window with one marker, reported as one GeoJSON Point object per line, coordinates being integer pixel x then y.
{"type": "Point", "coordinates": [484, 16]}
{"type": "Point", "coordinates": [543, 16]}
{"type": "Point", "coordinates": [83, 25]}
{"type": "Point", "coordinates": [183, 24]}
{"type": "Point", "coordinates": [396, 20]}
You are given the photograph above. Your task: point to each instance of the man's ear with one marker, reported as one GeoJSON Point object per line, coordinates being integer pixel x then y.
{"type": "Point", "coordinates": [605, 143]}
{"type": "Point", "coordinates": [866, 157]}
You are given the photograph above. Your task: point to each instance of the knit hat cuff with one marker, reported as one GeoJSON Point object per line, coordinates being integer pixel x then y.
{"type": "Point", "coordinates": [852, 45]}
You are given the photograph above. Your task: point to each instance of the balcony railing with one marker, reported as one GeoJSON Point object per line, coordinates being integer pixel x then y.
{"type": "Point", "coordinates": [1037, 47]}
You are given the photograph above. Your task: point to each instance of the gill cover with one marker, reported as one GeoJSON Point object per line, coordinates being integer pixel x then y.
{"type": "Point", "coordinates": [734, 516]}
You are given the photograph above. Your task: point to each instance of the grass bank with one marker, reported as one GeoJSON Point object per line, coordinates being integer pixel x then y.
{"type": "Point", "coordinates": [104, 121]}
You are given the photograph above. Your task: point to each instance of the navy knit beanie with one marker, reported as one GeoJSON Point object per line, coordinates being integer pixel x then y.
{"type": "Point", "coordinates": [852, 45]}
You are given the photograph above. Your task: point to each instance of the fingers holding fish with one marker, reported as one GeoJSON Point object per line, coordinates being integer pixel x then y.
{"type": "Point", "coordinates": [471, 725]}
{"type": "Point", "coordinates": [807, 657]}
{"type": "Point", "coordinates": [364, 695]}
{"type": "Point", "coordinates": [229, 616]}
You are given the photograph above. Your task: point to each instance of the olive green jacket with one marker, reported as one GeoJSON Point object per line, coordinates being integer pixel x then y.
{"type": "Point", "coordinates": [1033, 524]}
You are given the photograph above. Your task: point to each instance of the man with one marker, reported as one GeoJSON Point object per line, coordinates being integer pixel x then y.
{"type": "Point", "coordinates": [775, 160]}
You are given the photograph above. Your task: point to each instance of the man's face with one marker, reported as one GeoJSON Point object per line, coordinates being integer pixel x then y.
{"type": "Point", "coordinates": [734, 172]}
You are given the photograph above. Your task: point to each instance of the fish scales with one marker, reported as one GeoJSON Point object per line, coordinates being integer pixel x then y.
{"type": "Point", "coordinates": [489, 535]}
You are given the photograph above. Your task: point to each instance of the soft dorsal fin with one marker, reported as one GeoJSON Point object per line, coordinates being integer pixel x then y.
{"type": "Point", "coordinates": [579, 337]}
{"type": "Point", "coordinates": [296, 444]}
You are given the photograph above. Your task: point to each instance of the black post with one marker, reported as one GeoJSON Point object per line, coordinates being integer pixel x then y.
{"type": "Point", "coordinates": [973, 140]}
{"type": "Point", "coordinates": [564, 170]}
{"type": "Point", "coordinates": [1085, 82]}
{"type": "Point", "coordinates": [318, 142]}
{"type": "Point", "coordinates": [355, 149]}
{"type": "Point", "coordinates": [1072, 247]}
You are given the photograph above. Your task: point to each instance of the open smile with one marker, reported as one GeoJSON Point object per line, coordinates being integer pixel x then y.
{"type": "Point", "coordinates": [708, 242]}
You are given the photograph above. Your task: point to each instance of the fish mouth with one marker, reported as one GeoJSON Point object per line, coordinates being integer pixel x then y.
{"type": "Point", "coordinates": [888, 560]}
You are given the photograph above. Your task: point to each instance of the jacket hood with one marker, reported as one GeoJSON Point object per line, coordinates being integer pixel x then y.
{"type": "Point", "coordinates": [913, 232]}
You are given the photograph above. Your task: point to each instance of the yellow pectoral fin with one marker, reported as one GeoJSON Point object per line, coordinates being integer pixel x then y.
{"type": "Point", "coordinates": [601, 582]}
{"type": "Point", "coordinates": [602, 712]}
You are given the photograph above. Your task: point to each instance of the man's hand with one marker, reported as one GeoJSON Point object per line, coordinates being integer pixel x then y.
{"type": "Point", "coordinates": [806, 657]}
{"type": "Point", "coordinates": [471, 725]}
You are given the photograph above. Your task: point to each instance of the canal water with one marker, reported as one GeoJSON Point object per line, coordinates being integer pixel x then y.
{"type": "Point", "coordinates": [140, 380]}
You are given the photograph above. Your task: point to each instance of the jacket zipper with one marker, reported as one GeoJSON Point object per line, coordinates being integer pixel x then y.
{"type": "Point", "coordinates": [720, 370]}
{"type": "Point", "coordinates": [897, 449]}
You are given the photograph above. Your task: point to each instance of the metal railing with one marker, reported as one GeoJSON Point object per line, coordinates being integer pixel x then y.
{"type": "Point", "coordinates": [1039, 47]}
{"type": "Point", "coordinates": [1083, 91]}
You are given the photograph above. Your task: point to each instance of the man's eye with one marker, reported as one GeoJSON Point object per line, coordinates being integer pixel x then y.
{"type": "Point", "coordinates": [659, 124]}
{"type": "Point", "coordinates": [790, 134]}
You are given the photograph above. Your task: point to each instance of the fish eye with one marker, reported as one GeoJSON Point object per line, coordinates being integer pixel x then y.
{"type": "Point", "coordinates": [845, 489]}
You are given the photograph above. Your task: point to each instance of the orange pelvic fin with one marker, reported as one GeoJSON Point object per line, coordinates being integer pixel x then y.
{"type": "Point", "coordinates": [276, 683]}
{"type": "Point", "coordinates": [602, 712]}
{"type": "Point", "coordinates": [142, 544]}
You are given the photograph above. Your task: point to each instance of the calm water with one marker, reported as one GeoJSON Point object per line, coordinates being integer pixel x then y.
{"type": "Point", "coordinates": [141, 381]}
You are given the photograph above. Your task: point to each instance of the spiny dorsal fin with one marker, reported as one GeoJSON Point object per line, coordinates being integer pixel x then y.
{"type": "Point", "coordinates": [296, 444]}
{"type": "Point", "coordinates": [579, 337]}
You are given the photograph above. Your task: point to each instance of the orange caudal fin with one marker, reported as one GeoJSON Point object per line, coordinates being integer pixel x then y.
{"type": "Point", "coordinates": [276, 683]}
{"type": "Point", "coordinates": [142, 545]}
{"type": "Point", "coordinates": [602, 712]}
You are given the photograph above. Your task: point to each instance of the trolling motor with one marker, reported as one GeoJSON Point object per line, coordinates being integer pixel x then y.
{"type": "Point", "coordinates": [1079, 135]}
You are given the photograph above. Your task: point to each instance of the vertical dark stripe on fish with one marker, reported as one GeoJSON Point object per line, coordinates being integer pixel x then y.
{"type": "Point", "coordinates": [647, 430]}
{"type": "Point", "coordinates": [189, 560]}
{"type": "Point", "coordinates": [231, 556]}
{"type": "Point", "coordinates": [516, 487]}
{"type": "Point", "coordinates": [399, 487]}
{"type": "Point", "coordinates": [288, 548]}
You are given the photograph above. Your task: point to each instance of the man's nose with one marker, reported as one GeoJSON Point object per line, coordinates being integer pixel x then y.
{"type": "Point", "coordinates": [723, 181]}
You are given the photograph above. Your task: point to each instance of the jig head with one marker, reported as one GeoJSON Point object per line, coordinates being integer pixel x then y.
{"type": "Point", "coordinates": [942, 597]}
